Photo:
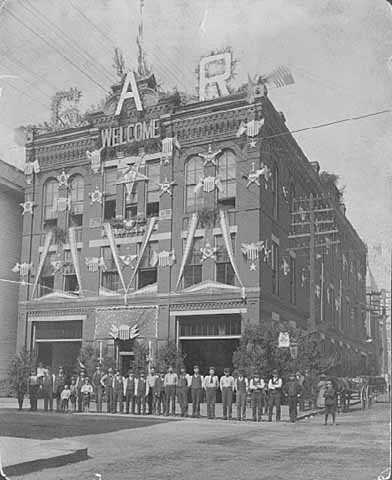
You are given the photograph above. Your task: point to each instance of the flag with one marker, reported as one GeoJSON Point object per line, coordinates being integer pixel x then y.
{"type": "Point", "coordinates": [189, 242]}
{"type": "Point", "coordinates": [280, 77]}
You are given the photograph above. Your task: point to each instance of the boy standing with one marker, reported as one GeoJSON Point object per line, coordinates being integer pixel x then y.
{"type": "Point", "coordinates": [241, 388]}
{"type": "Point", "coordinates": [256, 388]}
{"type": "Point", "coordinates": [227, 387]}
{"type": "Point", "coordinates": [274, 390]}
{"type": "Point", "coordinates": [330, 397]}
{"type": "Point", "coordinates": [211, 385]}
{"type": "Point", "coordinates": [86, 391]}
{"type": "Point", "coordinates": [196, 385]}
{"type": "Point", "coordinates": [65, 394]}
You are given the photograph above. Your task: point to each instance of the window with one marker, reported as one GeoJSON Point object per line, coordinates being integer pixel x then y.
{"type": "Point", "coordinates": [275, 268]}
{"type": "Point", "coordinates": [110, 189]}
{"type": "Point", "coordinates": [152, 194]}
{"type": "Point", "coordinates": [224, 269]}
{"type": "Point", "coordinates": [46, 280]}
{"type": "Point", "coordinates": [71, 283]}
{"type": "Point", "coordinates": [148, 270]}
{"type": "Point", "coordinates": [110, 279]}
{"type": "Point", "coordinates": [76, 193]}
{"type": "Point", "coordinates": [193, 268]}
{"type": "Point", "coordinates": [293, 281]}
{"type": "Point", "coordinates": [193, 173]}
{"type": "Point", "coordinates": [226, 172]}
{"type": "Point", "coordinates": [50, 196]}
{"type": "Point", "coordinates": [211, 325]}
{"type": "Point", "coordinates": [275, 192]}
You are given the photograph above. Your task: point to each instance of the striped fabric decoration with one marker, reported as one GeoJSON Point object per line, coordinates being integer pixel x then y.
{"type": "Point", "coordinates": [280, 77]}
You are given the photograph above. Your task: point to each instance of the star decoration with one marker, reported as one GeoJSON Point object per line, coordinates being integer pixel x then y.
{"type": "Point", "coordinates": [252, 143]}
{"type": "Point", "coordinates": [166, 187]}
{"type": "Point", "coordinates": [209, 156]}
{"type": "Point", "coordinates": [63, 179]}
{"type": "Point", "coordinates": [27, 206]}
{"type": "Point", "coordinates": [95, 196]}
{"type": "Point", "coordinates": [208, 252]}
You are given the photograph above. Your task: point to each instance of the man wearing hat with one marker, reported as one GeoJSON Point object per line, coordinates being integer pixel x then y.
{"type": "Point", "coordinates": [129, 392]}
{"type": "Point", "coordinates": [241, 386]}
{"type": "Point", "coordinates": [274, 389]}
{"type": "Point", "coordinates": [141, 393]}
{"type": "Point", "coordinates": [98, 389]}
{"type": "Point", "coordinates": [171, 379]}
{"type": "Point", "coordinates": [211, 385]}
{"type": "Point", "coordinates": [107, 383]}
{"type": "Point", "coordinates": [118, 392]}
{"type": "Point", "coordinates": [196, 385]}
{"type": "Point", "coordinates": [256, 387]}
{"type": "Point", "coordinates": [182, 391]}
{"type": "Point", "coordinates": [227, 387]}
{"type": "Point", "coordinates": [292, 391]}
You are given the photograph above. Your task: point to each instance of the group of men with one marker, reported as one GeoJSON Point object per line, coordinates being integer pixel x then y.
{"type": "Point", "coordinates": [157, 393]}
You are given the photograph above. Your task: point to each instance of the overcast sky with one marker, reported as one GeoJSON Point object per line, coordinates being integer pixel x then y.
{"type": "Point", "coordinates": [338, 52]}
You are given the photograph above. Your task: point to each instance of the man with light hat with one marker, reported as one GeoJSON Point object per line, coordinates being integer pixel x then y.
{"type": "Point", "coordinates": [274, 389]}
{"type": "Point", "coordinates": [227, 387]}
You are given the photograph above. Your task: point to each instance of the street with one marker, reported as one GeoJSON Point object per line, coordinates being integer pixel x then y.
{"type": "Point", "coordinates": [357, 447]}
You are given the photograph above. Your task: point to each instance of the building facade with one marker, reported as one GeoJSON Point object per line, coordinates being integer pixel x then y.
{"type": "Point", "coordinates": [178, 219]}
{"type": "Point", "coordinates": [11, 194]}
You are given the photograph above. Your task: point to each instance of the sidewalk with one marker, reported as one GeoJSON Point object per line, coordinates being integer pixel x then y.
{"type": "Point", "coordinates": [23, 455]}
{"type": "Point", "coordinates": [12, 403]}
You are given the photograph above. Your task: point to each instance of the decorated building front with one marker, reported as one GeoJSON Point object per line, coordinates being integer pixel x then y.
{"type": "Point", "coordinates": [170, 216]}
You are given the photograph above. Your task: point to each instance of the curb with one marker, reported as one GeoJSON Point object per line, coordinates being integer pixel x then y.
{"type": "Point", "coordinates": [43, 463]}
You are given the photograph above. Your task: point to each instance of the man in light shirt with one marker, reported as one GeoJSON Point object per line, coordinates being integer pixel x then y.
{"type": "Point", "coordinates": [182, 391]}
{"type": "Point", "coordinates": [211, 385]}
{"type": "Point", "coordinates": [274, 390]}
{"type": "Point", "coordinates": [151, 379]}
{"type": "Point", "coordinates": [256, 387]}
{"type": "Point", "coordinates": [227, 387]}
{"type": "Point", "coordinates": [241, 386]}
{"type": "Point", "coordinates": [170, 384]}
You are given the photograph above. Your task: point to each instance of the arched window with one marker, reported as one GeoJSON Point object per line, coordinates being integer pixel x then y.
{"type": "Point", "coordinates": [226, 172]}
{"type": "Point", "coordinates": [275, 191]}
{"type": "Point", "coordinates": [76, 195]}
{"type": "Point", "coordinates": [50, 196]}
{"type": "Point", "coordinates": [193, 173]}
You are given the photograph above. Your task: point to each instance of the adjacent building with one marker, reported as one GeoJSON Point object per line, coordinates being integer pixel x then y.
{"type": "Point", "coordinates": [184, 220]}
{"type": "Point", "coordinates": [12, 185]}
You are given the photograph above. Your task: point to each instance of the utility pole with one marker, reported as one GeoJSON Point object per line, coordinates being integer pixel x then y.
{"type": "Point", "coordinates": [313, 224]}
{"type": "Point", "coordinates": [312, 266]}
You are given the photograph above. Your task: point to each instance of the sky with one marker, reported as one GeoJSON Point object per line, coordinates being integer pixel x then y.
{"type": "Point", "coordinates": [337, 50]}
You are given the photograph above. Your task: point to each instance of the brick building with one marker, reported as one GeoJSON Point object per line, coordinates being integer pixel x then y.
{"type": "Point", "coordinates": [176, 218]}
{"type": "Point", "coordinates": [11, 194]}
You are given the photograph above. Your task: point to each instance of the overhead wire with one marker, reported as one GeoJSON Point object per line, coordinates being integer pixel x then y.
{"type": "Point", "coordinates": [85, 56]}
{"type": "Point", "coordinates": [53, 46]}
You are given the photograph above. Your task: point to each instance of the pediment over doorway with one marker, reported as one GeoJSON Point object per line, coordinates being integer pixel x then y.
{"type": "Point", "coordinates": [211, 286]}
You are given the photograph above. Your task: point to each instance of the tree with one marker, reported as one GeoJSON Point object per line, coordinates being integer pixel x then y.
{"type": "Point", "coordinates": [89, 358]}
{"type": "Point", "coordinates": [259, 350]}
{"type": "Point", "coordinates": [140, 359]}
{"type": "Point", "coordinates": [169, 354]}
{"type": "Point", "coordinates": [20, 368]}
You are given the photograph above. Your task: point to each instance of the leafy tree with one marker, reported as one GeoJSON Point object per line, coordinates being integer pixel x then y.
{"type": "Point", "coordinates": [169, 354]}
{"type": "Point", "coordinates": [20, 368]}
{"type": "Point", "coordinates": [89, 358]}
{"type": "Point", "coordinates": [259, 351]}
{"type": "Point", "coordinates": [140, 360]}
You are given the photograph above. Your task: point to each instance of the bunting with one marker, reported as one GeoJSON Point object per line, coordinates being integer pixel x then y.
{"type": "Point", "coordinates": [168, 145]}
{"type": "Point", "coordinates": [189, 241]}
{"type": "Point", "coordinates": [108, 231]}
{"type": "Point", "coordinates": [165, 258]}
{"type": "Point", "coordinates": [146, 239]}
{"type": "Point", "coordinates": [208, 184]}
{"type": "Point", "coordinates": [229, 247]}
{"type": "Point", "coordinates": [251, 251]}
{"type": "Point", "coordinates": [95, 159]}
{"type": "Point", "coordinates": [22, 268]}
{"type": "Point", "coordinates": [94, 263]}
{"type": "Point", "coordinates": [45, 250]}
{"type": "Point", "coordinates": [74, 255]}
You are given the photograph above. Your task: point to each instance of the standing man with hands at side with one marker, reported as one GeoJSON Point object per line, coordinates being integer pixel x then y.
{"type": "Point", "coordinates": [227, 387]}
{"type": "Point", "coordinates": [211, 385]}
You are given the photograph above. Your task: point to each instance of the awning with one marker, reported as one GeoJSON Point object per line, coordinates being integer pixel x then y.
{"type": "Point", "coordinates": [145, 317]}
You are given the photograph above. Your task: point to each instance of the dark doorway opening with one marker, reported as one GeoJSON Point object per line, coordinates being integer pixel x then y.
{"type": "Point", "coordinates": [206, 353]}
